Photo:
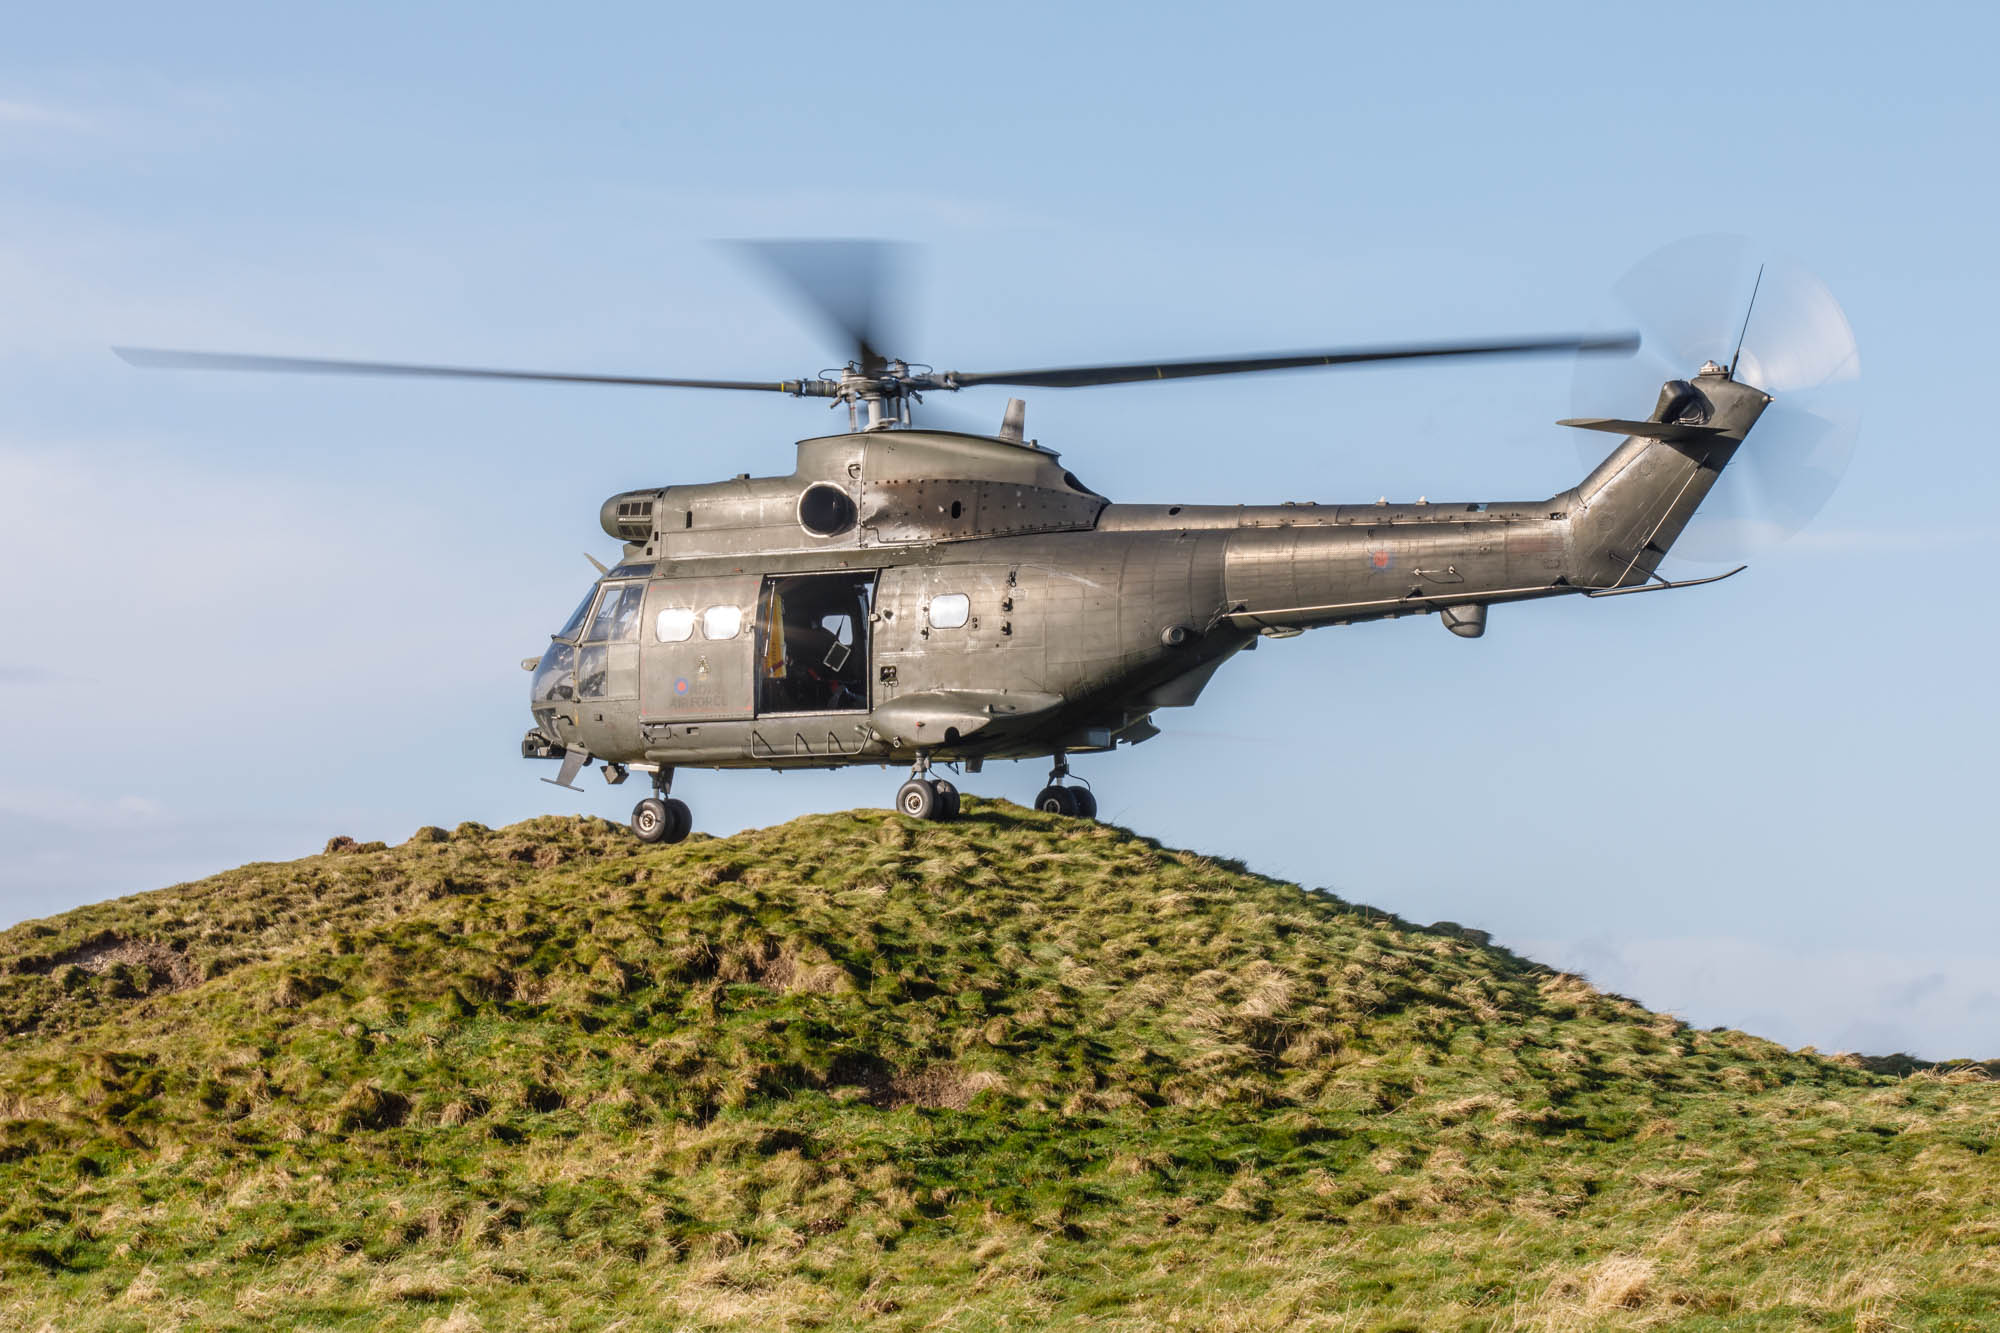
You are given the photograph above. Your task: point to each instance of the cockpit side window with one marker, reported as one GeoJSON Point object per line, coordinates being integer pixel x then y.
{"type": "Point", "coordinates": [617, 618]}
{"type": "Point", "coordinates": [555, 677]}
{"type": "Point", "coordinates": [574, 625]}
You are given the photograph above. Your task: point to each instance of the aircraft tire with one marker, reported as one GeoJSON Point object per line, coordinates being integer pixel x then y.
{"type": "Point", "coordinates": [683, 821]}
{"type": "Point", "coordinates": [918, 799]}
{"type": "Point", "coordinates": [1057, 800]}
{"type": "Point", "coordinates": [947, 798]}
{"type": "Point", "coordinates": [1085, 801]}
{"type": "Point", "coordinates": [652, 821]}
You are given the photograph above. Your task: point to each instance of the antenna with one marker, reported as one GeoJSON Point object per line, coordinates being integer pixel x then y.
{"type": "Point", "coordinates": [1737, 355]}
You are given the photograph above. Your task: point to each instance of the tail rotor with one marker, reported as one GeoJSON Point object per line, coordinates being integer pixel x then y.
{"type": "Point", "coordinates": [1718, 298]}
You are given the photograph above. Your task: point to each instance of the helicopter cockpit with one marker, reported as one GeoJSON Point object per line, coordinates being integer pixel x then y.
{"type": "Point", "coordinates": [581, 662]}
{"type": "Point", "coordinates": [555, 675]}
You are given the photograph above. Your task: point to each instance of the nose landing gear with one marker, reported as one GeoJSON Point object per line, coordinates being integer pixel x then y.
{"type": "Point", "coordinates": [661, 818]}
{"type": "Point", "coordinates": [1057, 799]}
{"type": "Point", "coordinates": [926, 797]}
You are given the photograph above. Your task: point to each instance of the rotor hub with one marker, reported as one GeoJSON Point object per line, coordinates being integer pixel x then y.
{"type": "Point", "coordinates": [883, 390]}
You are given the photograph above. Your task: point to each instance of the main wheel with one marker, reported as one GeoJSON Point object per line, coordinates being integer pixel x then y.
{"type": "Point", "coordinates": [1086, 802]}
{"type": "Point", "coordinates": [947, 798]}
{"type": "Point", "coordinates": [1057, 800]}
{"type": "Point", "coordinates": [683, 820]}
{"type": "Point", "coordinates": [918, 798]}
{"type": "Point", "coordinates": [653, 821]}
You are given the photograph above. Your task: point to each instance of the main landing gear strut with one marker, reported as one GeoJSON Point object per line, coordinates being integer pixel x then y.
{"type": "Point", "coordinates": [1057, 799]}
{"type": "Point", "coordinates": [661, 818]}
{"type": "Point", "coordinates": [926, 797]}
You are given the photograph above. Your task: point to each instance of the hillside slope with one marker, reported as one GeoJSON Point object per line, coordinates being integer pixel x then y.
{"type": "Point", "coordinates": [1011, 1072]}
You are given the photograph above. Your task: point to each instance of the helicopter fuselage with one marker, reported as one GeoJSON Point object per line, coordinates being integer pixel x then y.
{"type": "Point", "coordinates": [909, 595]}
{"type": "Point", "coordinates": [1062, 641]}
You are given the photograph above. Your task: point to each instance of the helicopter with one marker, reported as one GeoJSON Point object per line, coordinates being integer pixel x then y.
{"type": "Point", "coordinates": [912, 594]}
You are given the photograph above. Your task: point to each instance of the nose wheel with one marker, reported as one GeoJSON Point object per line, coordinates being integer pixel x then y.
{"type": "Point", "coordinates": [926, 797]}
{"type": "Point", "coordinates": [660, 817]}
{"type": "Point", "coordinates": [1060, 799]}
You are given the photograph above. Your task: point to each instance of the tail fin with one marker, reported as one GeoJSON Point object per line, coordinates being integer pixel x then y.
{"type": "Point", "coordinates": [1629, 511]}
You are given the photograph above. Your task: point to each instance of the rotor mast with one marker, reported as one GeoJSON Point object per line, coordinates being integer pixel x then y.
{"type": "Point", "coordinates": [878, 397]}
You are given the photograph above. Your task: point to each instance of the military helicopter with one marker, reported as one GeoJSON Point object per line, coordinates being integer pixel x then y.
{"type": "Point", "coordinates": [916, 595]}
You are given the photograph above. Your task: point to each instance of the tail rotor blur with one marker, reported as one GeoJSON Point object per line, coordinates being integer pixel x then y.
{"type": "Point", "coordinates": [1719, 298]}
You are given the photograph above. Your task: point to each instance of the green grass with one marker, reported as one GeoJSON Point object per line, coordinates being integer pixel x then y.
{"type": "Point", "coordinates": [1010, 1073]}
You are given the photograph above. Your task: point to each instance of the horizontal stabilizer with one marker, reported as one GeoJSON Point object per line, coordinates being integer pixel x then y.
{"type": "Point", "coordinates": [1675, 431]}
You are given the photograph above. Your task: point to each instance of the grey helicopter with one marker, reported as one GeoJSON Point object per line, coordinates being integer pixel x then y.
{"type": "Point", "coordinates": [940, 597]}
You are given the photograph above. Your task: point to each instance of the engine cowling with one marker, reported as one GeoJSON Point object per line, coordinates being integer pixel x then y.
{"type": "Point", "coordinates": [628, 516]}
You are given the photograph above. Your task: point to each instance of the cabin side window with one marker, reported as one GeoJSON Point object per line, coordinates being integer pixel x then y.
{"type": "Point", "coordinates": [722, 622]}
{"type": "Point", "coordinates": [950, 610]}
{"type": "Point", "coordinates": [674, 624]}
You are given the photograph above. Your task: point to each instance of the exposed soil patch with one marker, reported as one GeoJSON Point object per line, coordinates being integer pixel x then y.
{"type": "Point", "coordinates": [943, 1086]}
{"type": "Point", "coordinates": [168, 967]}
{"type": "Point", "coordinates": [783, 971]}
{"type": "Point", "coordinates": [776, 972]}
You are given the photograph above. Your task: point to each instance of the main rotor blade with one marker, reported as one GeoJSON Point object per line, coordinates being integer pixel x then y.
{"type": "Point", "coordinates": [158, 358]}
{"type": "Point", "coordinates": [851, 285]}
{"type": "Point", "coordinates": [1075, 377]}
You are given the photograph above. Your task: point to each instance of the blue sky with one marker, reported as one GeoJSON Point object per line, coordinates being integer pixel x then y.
{"type": "Point", "coordinates": [251, 613]}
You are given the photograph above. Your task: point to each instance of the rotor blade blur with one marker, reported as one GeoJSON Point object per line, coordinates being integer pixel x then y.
{"type": "Point", "coordinates": [1801, 350]}
{"type": "Point", "coordinates": [1797, 463]}
{"type": "Point", "coordinates": [1075, 377]}
{"type": "Point", "coordinates": [1783, 475]}
{"type": "Point", "coordinates": [1798, 337]}
{"type": "Point", "coordinates": [1691, 300]}
{"type": "Point", "coordinates": [1688, 298]}
{"type": "Point", "coordinates": [851, 286]}
{"type": "Point", "coordinates": [158, 358]}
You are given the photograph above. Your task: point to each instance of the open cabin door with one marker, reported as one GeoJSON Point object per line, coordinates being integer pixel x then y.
{"type": "Point", "coordinates": [812, 642]}
{"type": "Point", "coordinates": [697, 647]}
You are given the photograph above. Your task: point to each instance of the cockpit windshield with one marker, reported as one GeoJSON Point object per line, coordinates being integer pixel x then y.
{"type": "Point", "coordinates": [574, 625]}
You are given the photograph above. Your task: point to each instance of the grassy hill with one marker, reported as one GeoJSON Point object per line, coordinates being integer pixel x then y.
{"type": "Point", "coordinates": [1015, 1072]}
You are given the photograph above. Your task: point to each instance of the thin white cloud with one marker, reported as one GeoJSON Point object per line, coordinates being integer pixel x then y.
{"type": "Point", "coordinates": [20, 114]}
{"type": "Point", "coordinates": [21, 674]}
{"type": "Point", "coordinates": [1744, 541]}
{"type": "Point", "coordinates": [1877, 1002]}
{"type": "Point", "coordinates": [1886, 539]}
{"type": "Point", "coordinates": [74, 809]}
{"type": "Point", "coordinates": [208, 615]}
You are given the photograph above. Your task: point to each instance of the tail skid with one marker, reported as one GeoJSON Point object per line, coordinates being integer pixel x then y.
{"type": "Point", "coordinates": [1664, 584]}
